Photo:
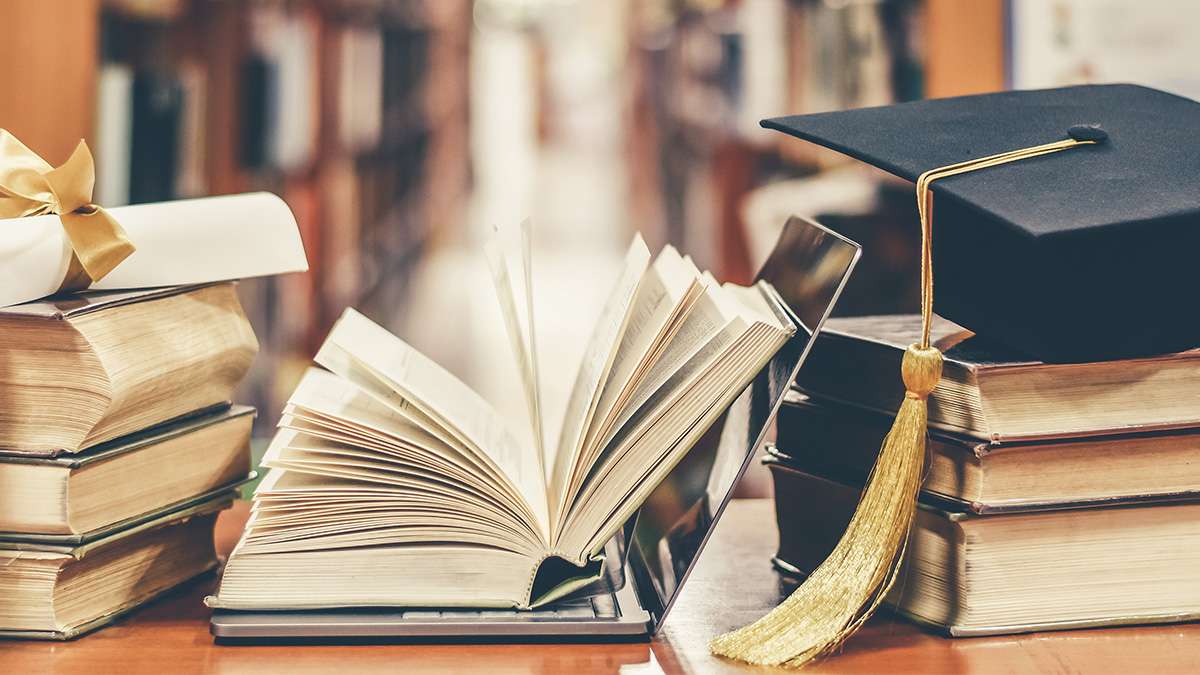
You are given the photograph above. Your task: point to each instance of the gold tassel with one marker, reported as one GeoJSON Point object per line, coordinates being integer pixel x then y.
{"type": "Point", "coordinates": [846, 589]}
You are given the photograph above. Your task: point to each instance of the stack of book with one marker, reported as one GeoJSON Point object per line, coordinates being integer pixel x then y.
{"type": "Point", "coordinates": [118, 446]}
{"type": "Point", "coordinates": [1055, 495]}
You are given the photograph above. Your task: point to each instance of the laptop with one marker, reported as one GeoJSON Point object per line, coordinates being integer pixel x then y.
{"type": "Point", "coordinates": [650, 559]}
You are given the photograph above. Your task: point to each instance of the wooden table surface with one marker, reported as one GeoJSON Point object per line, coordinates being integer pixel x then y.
{"type": "Point", "coordinates": [733, 584]}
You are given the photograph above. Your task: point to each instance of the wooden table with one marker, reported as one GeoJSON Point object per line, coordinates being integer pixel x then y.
{"type": "Point", "coordinates": [733, 584]}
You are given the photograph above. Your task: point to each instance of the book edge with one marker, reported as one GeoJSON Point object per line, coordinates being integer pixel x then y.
{"type": "Point", "coordinates": [219, 501]}
{"type": "Point", "coordinates": [70, 306]}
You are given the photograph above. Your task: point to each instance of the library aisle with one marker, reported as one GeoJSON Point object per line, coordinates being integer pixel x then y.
{"type": "Point", "coordinates": [570, 187]}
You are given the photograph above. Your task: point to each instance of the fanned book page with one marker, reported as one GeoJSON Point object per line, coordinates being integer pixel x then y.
{"type": "Point", "coordinates": [386, 467]}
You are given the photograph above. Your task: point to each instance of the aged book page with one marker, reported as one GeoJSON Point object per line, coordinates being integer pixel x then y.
{"type": "Point", "coordinates": [514, 306]}
{"type": "Point", "coordinates": [633, 467]}
{"type": "Point", "coordinates": [669, 291]}
{"type": "Point", "coordinates": [426, 386]}
{"type": "Point", "coordinates": [593, 370]}
{"type": "Point", "coordinates": [331, 408]}
{"type": "Point", "coordinates": [705, 383]}
{"type": "Point", "coordinates": [708, 318]}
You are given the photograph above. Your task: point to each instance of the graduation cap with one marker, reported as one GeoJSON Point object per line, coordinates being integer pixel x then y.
{"type": "Point", "coordinates": [1081, 256]}
{"type": "Point", "coordinates": [1067, 226]}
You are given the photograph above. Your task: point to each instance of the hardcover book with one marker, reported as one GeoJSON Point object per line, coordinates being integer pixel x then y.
{"type": "Point", "coordinates": [967, 574]}
{"type": "Point", "coordinates": [843, 441]}
{"type": "Point", "coordinates": [58, 592]}
{"type": "Point", "coordinates": [81, 370]}
{"type": "Point", "coordinates": [994, 394]}
{"type": "Point", "coordinates": [77, 498]}
{"type": "Point", "coordinates": [387, 467]}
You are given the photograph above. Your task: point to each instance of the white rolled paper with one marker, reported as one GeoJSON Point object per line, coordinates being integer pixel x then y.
{"type": "Point", "coordinates": [189, 241]}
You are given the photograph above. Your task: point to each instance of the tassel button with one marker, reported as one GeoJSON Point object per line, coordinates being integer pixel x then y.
{"type": "Point", "coordinates": [921, 370]}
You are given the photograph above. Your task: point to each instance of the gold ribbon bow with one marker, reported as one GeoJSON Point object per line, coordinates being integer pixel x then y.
{"type": "Point", "coordinates": [29, 186]}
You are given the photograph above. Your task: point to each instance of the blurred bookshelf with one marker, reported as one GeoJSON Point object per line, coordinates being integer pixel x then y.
{"type": "Point", "coordinates": [355, 111]}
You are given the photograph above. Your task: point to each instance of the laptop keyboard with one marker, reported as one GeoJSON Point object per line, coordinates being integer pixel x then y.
{"type": "Point", "coordinates": [599, 607]}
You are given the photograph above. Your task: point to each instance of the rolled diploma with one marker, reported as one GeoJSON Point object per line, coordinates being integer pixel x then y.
{"type": "Point", "coordinates": [188, 241]}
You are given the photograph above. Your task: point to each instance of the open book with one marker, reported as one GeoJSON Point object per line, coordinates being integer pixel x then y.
{"type": "Point", "coordinates": [394, 484]}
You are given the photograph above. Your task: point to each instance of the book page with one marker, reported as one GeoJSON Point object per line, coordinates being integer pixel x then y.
{"type": "Point", "coordinates": [441, 396]}
{"type": "Point", "coordinates": [635, 422]}
{"type": "Point", "coordinates": [669, 290]}
{"type": "Point", "coordinates": [709, 329]}
{"type": "Point", "coordinates": [739, 349]}
{"type": "Point", "coordinates": [346, 366]}
{"type": "Point", "coordinates": [597, 361]}
{"type": "Point", "coordinates": [711, 314]}
{"type": "Point", "coordinates": [521, 337]}
{"type": "Point", "coordinates": [619, 488]}
{"type": "Point", "coordinates": [298, 490]}
{"type": "Point", "coordinates": [423, 487]}
{"type": "Point", "coordinates": [753, 301]}
{"type": "Point", "coordinates": [531, 346]}
{"type": "Point", "coordinates": [342, 404]}
{"type": "Point", "coordinates": [659, 303]}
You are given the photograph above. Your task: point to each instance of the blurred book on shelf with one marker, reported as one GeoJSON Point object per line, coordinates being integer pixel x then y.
{"type": "Point", "coordinates": [710, 71]}
{"type": "Point", "coordinates": [154, 148]}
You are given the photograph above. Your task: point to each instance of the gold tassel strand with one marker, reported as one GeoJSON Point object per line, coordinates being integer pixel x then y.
{"type": "Point", "coordinates": [846, 589]}
{"type": "Point", "coordinates": [829, 606]}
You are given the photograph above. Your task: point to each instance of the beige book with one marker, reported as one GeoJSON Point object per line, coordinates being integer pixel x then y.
{"type": "Point", "coordinates": [968, 574]}
{"type": "Point", "coordinates": [995, 395]}
{"type": "Point", "coordinates": [79, 371]}
{"type": "Point", "coordinates": [61, 592]}
{"type": "Point", "coordinates": [388, 468]}
{"type": "Point", "coordinates": [73, 498]}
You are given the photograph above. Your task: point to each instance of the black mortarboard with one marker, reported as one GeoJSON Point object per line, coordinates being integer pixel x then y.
{"type": "Point", "coordinates": [1083, 255]}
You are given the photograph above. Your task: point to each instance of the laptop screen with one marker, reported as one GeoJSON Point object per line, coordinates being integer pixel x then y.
{"type": "Point", "coordinates": [808, 267]}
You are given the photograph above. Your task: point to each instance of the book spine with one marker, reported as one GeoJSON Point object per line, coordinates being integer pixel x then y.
{"type": "Point", "coordinates": [114, 132]}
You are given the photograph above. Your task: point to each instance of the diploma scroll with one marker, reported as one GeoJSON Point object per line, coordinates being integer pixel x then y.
{"type": "Point", "coordinates": [178, 242]}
